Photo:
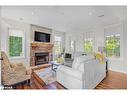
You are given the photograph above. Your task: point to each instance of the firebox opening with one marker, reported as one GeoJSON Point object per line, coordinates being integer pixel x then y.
{"type": "Point", "coordinates": [41, 58]}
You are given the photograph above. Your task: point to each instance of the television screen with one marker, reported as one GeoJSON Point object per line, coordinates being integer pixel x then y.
{"type": "Point", "coordinates": [67, 55]}
{"type": "Point", "coordinates": [41, 37]}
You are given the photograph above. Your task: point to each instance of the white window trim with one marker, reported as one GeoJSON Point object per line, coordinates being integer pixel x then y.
{"type": "Point", "coordinates": [121, 41]}
{"type": "Point", "coordinates": [24, 44]}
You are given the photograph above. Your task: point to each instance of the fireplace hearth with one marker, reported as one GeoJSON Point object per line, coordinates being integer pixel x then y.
{"type": "Point", "coordinates": [41, 58]}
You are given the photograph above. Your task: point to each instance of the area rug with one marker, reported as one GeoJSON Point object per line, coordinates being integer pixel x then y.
{"type": "Point", "coordinates": [47, 75]}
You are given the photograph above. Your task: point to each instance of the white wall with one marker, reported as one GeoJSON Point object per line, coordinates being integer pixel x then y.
{"type": "Point", "coordinates": [77, 36]}
{"type": "Point", "coordinates": [7, 23]}
{"type": "Point", "coordinates": [99, 37]}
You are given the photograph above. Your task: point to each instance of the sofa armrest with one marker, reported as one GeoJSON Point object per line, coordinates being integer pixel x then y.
{"type": "Point", "coordinates": [70, 71]}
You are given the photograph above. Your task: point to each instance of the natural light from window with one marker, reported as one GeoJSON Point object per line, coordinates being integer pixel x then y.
{"type": "Point", "coordinates": [57, 45]}
{"type": "Point", "coordinates": [113, 46]}
{"type": "Point", "coordinates": [16, 43]}
{"type": "Point", "coordinates": [88, 45]}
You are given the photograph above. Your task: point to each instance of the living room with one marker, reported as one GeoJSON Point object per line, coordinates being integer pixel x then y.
{"type": "Point", "coordinates": [41, 36]}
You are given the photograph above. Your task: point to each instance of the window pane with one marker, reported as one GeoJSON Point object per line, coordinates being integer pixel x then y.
{"type": "Point", "coordinates": [58, 46]}
{"type": "Point", "coordinates": [113, 46]}
{"type": "Point", "coordinates": [15, 46]}
{"type": "Point", "coordinates": [16, 43]}
{"type": "Point", "coordinates": [88, 45]}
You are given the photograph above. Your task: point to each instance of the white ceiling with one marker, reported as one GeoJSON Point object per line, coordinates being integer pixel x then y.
{"type": "Point", "coordinates": [66, 18]}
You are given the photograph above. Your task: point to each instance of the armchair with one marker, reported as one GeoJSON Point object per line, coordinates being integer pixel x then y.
{"type": "Point", "coordinates": [12, 74]}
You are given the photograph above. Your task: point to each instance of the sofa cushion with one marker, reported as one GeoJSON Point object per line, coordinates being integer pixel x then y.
{"type": "Point", "coordinates": [81, 59]}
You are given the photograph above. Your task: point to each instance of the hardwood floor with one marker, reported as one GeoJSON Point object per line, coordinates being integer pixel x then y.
{"type": "Point", "coordinates": [114, 80]}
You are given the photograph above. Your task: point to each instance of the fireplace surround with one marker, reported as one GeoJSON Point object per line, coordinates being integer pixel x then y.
{"type": "Point", "coordinates": [40, 53]}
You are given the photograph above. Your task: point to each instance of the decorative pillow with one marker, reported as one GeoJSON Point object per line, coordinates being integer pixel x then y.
{"type": "Point", "coordinates": [100, 57]}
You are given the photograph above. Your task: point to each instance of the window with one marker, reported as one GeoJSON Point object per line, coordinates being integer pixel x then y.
{"type": "Point", "coordinates": [88, 42]}
{"type": "Point", "coordinates": [58, 45]}
{"type": "Point", "coordinates": [88, 45]}
{"type": "Point", "coordinates": [16, 43]}
{"type": "Point", "coordinates": [114, 41]}
{"type": "Point", "coordinates": [113, 46]}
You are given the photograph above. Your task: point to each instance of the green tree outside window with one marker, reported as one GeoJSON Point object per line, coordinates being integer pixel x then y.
{"type": "Point", "coordinates": [88, 46]}
{"type": "Point", "coordinates": [15, 46]}
{"type": "Point", "coordinates": [113, 46]}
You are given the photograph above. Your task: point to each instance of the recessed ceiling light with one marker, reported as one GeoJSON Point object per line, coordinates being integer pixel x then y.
{"type": "Point", "coordinates": [32, 13]}
{"type": "Point", "coordinates": [90, 13]}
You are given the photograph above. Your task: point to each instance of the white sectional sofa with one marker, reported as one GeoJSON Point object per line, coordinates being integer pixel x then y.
{"type": "Point", "coordinates": [86, 73]}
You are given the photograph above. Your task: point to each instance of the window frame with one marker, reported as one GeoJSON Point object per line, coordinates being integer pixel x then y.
{"type": "Point", "coordinates": [121, 40]}
{"type": "Point", "coordinates": [60, 44]}
{"type": "Point", "coordinates": [119, 44]}
{"type": "Point", "coordinates": [23, 46]}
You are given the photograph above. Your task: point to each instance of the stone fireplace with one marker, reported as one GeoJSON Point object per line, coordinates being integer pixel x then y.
{"type": "Point", "coordinates": [40, 53]}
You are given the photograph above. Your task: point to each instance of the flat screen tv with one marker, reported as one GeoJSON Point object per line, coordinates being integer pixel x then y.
{"type": "Point", "coordinates": [41, 37]}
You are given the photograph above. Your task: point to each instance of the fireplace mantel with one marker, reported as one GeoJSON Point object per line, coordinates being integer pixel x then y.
{"type": "Point", "coordinates": [39, 47]}
{"type": "Point", "coordinates": [42, 46]}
